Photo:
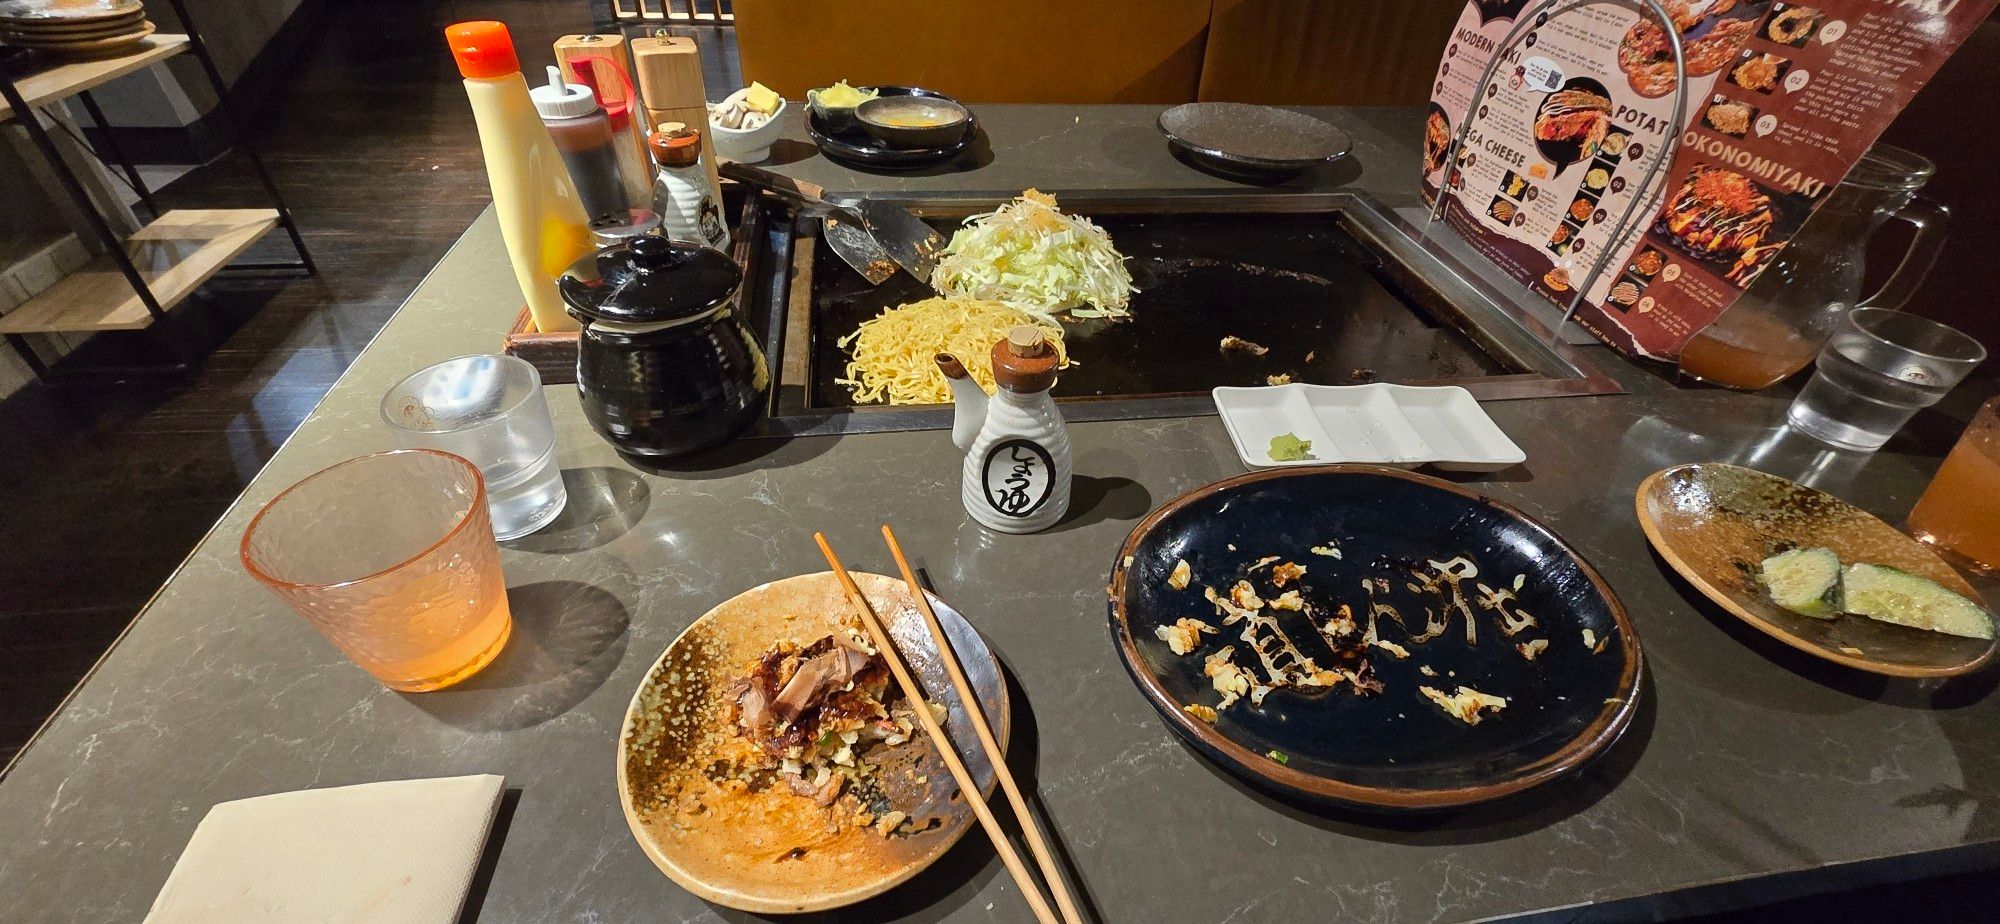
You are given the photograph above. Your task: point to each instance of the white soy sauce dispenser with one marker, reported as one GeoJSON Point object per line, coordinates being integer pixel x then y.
{"type": "Point", "coordinates": [1017, 456]}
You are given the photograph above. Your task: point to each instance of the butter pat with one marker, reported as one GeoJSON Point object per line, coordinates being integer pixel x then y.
{"type": "Point", "coordinates": [761, 98]}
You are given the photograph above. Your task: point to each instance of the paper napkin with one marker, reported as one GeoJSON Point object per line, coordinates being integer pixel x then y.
{"type": "Point", "coordinates": [398, 851]}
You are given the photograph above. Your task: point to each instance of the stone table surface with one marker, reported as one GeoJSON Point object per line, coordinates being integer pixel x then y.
{"type": "Point", "coordinates": [1751, 771]}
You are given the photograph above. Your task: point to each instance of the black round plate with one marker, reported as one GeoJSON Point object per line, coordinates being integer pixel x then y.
{"type": "Point", "coordinates": [1394, 749]}
{"type": "Point", "coordinates": [1239, 139]}
{"type": "Point", "coordinates": [1209, 162]}
{"type": "Point", "coordinates": [856, 149]}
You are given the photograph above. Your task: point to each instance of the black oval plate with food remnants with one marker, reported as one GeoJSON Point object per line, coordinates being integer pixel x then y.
{"type": "Point", "coordinates": [856, 148]}
{"type": "Point", "coordinates": [1369, 538]}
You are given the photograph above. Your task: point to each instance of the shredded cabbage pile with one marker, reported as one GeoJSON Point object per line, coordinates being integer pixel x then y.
{"type": "Point", "coordinates": [1037, 259]}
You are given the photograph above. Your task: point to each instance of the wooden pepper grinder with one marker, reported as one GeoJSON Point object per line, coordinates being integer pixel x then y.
{"type": "Point", "coordinates": [667, 69]}
{"type": "Point", "coordinates": [1017, 470]}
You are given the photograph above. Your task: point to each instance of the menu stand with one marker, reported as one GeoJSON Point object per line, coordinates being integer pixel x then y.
{"type": "Point", "coordinates": [1523, 22]}
{"type": "Point", "coordinates": [179, 249]}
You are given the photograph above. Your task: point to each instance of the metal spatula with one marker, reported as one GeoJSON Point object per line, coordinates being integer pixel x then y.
{"type": "Point", "coordinates": [873, 237]}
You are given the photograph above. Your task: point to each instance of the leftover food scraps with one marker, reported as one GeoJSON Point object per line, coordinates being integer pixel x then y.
{"type": "Point", "coordinates": [1886, 594]}
{"type": "Point", "coordinates": [1465, 703]}
{"type": "Point", "coordinates": [1343, 637]}
{"type": "Point", "coordinates": [812, 718]}
{"type": "Point", "coordinates": [1805, 581]}
{"type": "Point", "coordinates": [1287, 447]}
{"type": "Point", "coordinates": [1813, 582]}
{"type": "Point", "coordinates": [1234, 344]}
{"type": "Point", "coordinates": [1184, 635]}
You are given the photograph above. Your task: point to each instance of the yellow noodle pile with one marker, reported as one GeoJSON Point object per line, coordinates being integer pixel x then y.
{"type": "Point", "coordinates": [893, 355]}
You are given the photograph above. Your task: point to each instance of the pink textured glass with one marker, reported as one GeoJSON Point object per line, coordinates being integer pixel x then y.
{"type": "Point", "coordinates": [391, 556]}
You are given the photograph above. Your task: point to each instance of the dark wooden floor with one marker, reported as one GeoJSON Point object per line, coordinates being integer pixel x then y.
{"type": "Point", "coordinates": [103, 490]}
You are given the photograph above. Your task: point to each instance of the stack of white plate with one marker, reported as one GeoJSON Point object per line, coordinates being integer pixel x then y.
{"type": "Point", "coordinates": [73, 27]}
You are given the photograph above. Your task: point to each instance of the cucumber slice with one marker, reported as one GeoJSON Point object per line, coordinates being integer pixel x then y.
{"type": "Point", "coordinates": [1884, 593]}
{"type": "Point", "coordinates": [1805, 581]}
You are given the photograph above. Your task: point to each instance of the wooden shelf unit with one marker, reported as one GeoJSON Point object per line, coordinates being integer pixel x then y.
{"type": "Point", "coordinates": [137, 279]}
{"type": "Point", "coordinates": [175, 254]}
{"type": "Point", "coordinates": [68, 79]}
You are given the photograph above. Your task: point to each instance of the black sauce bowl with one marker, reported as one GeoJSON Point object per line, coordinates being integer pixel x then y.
{"type": "Point", "coordinates": [943, 120]}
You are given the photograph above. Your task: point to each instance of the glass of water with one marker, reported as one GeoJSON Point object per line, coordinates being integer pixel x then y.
{"type": "Point", "coordinates": [490, 410]}
{"type": "Point", "coordinates": [1879, 370]}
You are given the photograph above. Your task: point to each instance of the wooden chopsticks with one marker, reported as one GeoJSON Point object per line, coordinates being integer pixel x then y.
{"type": "Point", "coordinates": [966, 785]}
{"type": "Point", "coordinates": [994, 754]}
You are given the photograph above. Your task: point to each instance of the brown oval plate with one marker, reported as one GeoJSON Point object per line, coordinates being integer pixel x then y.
{"type": "Point", "coordinates": [1394, 749]}
{"type": "Point", "coordinates": [1715, 523]}
{"type": "Point", "coordinates": [744, 851]}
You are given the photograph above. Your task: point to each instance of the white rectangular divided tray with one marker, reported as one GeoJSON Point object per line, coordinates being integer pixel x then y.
{"type": "Point", "coordinates": [1380, 424]}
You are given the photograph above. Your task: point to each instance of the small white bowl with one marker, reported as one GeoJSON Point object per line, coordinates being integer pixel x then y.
{"type": "Point", "coordinates": [748, 145]}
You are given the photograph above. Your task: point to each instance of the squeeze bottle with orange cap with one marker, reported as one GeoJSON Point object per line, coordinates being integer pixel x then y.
{"type": "Point", "coordinates": [540, 216]}
{"type": "Point", "coordinates": [690, 208]}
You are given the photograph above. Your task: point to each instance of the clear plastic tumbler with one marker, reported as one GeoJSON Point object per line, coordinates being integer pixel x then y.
{"type": "Point", "coordinates": [491, 410]}
{"type": "Point", "coordinates": [1879, 370]}
{"type": "Point", "coordinates": [391, 557]}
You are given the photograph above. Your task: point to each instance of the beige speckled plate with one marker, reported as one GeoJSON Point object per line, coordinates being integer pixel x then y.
{"type": "Point", "coordinates": [1715, 523]}
{"type": "Point", "coordinates": [774, 852]}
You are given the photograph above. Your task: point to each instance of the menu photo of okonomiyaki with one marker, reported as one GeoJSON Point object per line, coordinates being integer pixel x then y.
{"type": "Point", "coordinates": [1729, 222]}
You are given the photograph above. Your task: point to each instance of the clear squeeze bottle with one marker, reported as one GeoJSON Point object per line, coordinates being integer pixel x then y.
{"type": "Point", "coordinates": [540, 217]}
{"type": "Point", "coordinates": [628, 137]}
{"type": "Point", "coordinates": [1017, 470]}
{"type": "Point", "coordinates": [582, 132]}
{"type": "Point", "coordinates": [689, 205]}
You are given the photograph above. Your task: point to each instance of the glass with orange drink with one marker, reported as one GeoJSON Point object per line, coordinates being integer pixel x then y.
{"type": "Point", "coordinates": [390, 556]}
{"type": "Point", "coordinates": [1960, 511]}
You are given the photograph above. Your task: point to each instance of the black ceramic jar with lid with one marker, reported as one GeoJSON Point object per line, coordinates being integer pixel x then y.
{"type": "Point", "coordinates": [666, 366]}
